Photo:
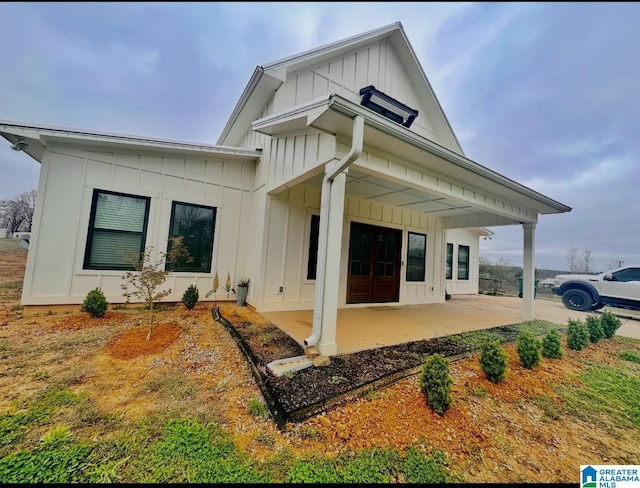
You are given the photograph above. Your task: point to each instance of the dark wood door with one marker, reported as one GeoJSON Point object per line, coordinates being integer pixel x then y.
{"type": "Point", "coordinates": [374, 264]}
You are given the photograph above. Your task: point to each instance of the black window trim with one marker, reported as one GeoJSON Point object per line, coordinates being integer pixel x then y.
{"type": "Point", "coordinates": [468, 263]}
{"type": "Point", "coordinates": [213, 236]}
{"type": "Point", "coordinates": [309, 246]}
{"type": "Point", "coordinates": [446, 258]}
{"type": "Point", "coordinates": [90, 233]}
{"type": "Point", "coordinates": [424, 258]}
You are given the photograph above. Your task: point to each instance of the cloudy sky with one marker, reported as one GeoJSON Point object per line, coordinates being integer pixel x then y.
{"type": "Point", "coordinates": [544, 93]}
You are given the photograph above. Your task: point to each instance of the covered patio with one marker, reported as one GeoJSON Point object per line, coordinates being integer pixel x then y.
{"type": "Point", "coordinates": [361, 328]}
{"type": "Point", "coordinates": [376, 159]}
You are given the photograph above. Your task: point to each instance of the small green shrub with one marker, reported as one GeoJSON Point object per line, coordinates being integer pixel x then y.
{"type": "Point", "coordinates": [95, 303]}
{"type": "Point", "coordinates": [493, 361]}
{"type": "Point", "coordinates": [529, 350]}
{"type": "Point", "coordinates": [596, 331]}
{"type": "Point", "coordinates": [190, 297]}
{"type": "Point", "coordinates": [258, 408]}
{"type": "Point", "coordinates": [610, 324]}
{"type": "Point", "coordinates": [577, 335]}
{"type": "Point", "coordinates": [552, 345]}
{"type": "Point", "coordinates": [435, 383]}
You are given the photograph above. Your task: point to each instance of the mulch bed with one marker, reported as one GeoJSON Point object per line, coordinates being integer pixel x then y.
{"type": "Point", "coordinates": [132, 343]}
{"type": "Point", "coordinates": [314, 390]}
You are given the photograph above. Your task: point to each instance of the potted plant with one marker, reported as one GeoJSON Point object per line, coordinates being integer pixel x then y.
{"type": "Point", "coordinates": [241, 296]}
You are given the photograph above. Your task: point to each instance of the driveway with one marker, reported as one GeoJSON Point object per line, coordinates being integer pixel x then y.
{"type": "Point", "coordinates": [362, 328]}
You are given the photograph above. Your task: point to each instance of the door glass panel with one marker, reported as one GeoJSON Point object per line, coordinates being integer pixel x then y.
{"type": "Point", "coordinates": [379, 269]}
{"type": "Point", "coordinates": [366, 246]}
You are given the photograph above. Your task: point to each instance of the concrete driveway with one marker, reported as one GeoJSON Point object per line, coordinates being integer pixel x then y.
{"type": "Point", "coordinates": [370, 327]}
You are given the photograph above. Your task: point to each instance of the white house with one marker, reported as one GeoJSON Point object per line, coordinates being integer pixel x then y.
{"type": "Point", "coordinates": [336, 182]}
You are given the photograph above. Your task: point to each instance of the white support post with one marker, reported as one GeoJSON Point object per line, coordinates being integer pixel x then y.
{"type": "Point", "coordinates": [528, 270]}
{"type": "Point", "coordinates": [327, 344]}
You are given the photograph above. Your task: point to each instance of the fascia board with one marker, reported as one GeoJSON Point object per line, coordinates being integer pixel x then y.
{"type": "Point", "coordinates": [349, 108]}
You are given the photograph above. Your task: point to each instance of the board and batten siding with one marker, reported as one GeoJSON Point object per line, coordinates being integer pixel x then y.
{"type": "Point", "coordinates": [286, 249]}
{"type": "Point", "coordinates": [68, 177]}
{"type": "Point", "coordinates": [376, 64]}
{"type": "Point", "coordinates": [469, 238]}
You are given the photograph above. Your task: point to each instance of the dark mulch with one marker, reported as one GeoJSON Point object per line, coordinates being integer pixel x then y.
{"type": "Point", "coordinates": [313, 390]}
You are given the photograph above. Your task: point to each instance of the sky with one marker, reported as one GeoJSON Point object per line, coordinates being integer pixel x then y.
{"type": "Point", "coordinates": [543, 93]}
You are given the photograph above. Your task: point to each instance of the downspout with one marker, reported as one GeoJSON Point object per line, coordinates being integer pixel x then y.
{"type": "Point", "coordinates": [357, 141]}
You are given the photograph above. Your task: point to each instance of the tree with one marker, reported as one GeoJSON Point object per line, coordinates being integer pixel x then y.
{"type": "Point", "coordinates": [149, 274]}
{"type": "Point", "coordinates": [615, 263]}
{"type": "Point", "coordinates": [587, 264]}
{"type": "Point", "coordinates": [17, 214]}
{"type": "Point", "coordinates": [573, 262]}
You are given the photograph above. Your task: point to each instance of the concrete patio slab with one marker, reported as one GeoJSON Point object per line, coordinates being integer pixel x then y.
{"type": "Point", "coordinates": [375, 326]}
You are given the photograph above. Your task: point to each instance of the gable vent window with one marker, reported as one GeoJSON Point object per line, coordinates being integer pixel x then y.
{"type": "Point", "coordinates": [387, 106]}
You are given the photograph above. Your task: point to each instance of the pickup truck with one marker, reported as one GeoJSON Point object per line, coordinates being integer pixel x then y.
{"type": "Point", "coordinates": [619, 287]}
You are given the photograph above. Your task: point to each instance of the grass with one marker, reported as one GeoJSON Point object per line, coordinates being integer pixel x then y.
{"type": "Point", "coordinates": [609, 397]}
{"type": "Point", "coordinates": [181, 450]}
{"type": "Point", "coordinates": [9, 245]}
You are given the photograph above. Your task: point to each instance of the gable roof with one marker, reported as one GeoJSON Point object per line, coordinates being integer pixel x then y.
{"type": "Point", "coordinates": [268, 78]}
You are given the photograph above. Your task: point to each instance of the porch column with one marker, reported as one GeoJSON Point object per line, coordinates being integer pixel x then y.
{"type": "Point", "coordinates": [528, 270]}
{"type": "Point", "coordinates": [327, 344]}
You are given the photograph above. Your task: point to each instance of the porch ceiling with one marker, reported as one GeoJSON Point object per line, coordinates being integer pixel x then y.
{"type": "Point", "coordinates": [375, 188]}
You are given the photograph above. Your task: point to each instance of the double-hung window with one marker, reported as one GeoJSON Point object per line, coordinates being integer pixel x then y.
{"type": "Point", "coordinates": [195, 224]}
{"type": "Point", "coordinates": [463, 262]}
{"type": "Point", "coordinates": [117, 230]}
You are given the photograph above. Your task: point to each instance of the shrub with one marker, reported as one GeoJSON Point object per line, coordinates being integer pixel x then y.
{"type": "Point", "coordinates": [552, 345]}
{"type": "Point", "coordinates": [95, 303]}
{"type": "Point", "coordinates": [493, 361]}
{"type": "Point", "coordinates": [435, 383]}
{"type": "Point", "coordinates": [190, 297]}
{"type": "Point", "coordinates": [610, 324]}
{"type": "Point", "coordinates": [596, 332]}
{"type": "Point", "coordinates": [577, 335]}
{"type": "Point", "coordinates": [529, 349]}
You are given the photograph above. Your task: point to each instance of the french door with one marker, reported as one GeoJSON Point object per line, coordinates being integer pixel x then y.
{"type": "Point", "coordinates": [374, 264]}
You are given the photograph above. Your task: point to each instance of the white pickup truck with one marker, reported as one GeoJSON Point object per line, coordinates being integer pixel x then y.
{"type": "Point", "coordinates": [618, 287]}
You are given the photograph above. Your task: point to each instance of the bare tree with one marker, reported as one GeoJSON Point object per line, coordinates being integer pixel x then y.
{"type": "Point", "coordinates": [27, 203]}
{"type": "Point", "coordinates": [587, 263]}
{"type": "Point", "coordinates": [17, 214]}
{"type": "Point", "coordinates": [573, 262]}
{"type": "Point", "coordinates": [615, 263]}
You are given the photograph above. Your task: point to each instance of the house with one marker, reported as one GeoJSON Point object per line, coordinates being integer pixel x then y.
{"type": "Point", "coordinates": [336, 182]}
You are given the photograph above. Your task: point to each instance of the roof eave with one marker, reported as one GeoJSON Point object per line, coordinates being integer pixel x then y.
{"type": "Point", "coordinates": [45, 135]}
{"type": "Point", "coordinates": [351, 109]}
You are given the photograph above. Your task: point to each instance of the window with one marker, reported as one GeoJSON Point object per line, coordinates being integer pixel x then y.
{"type": "Point", "coordinates": [195, 223]}
{"type": "Point", "coordinates": [416, 252]}
{"type": "Point", "coordinates": [629, 274]}
{"type": "Point", "coordinates": [449, 269]}
{"type": "Point", "coordinates": [118, 224]}
{"type": "Point", "coordinates": [386, 106]}
{"type": "Point", "coordinates": [313, 247]}
{"type": "Point", "coordinates": [463, 262]}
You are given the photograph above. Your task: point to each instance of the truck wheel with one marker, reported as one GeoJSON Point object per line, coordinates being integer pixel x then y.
{"type": "Point", "coordinates": [577, 300]}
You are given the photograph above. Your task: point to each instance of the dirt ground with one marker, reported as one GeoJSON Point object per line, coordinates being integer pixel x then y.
{"type": "Point", "coordinates": [192, 367]}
